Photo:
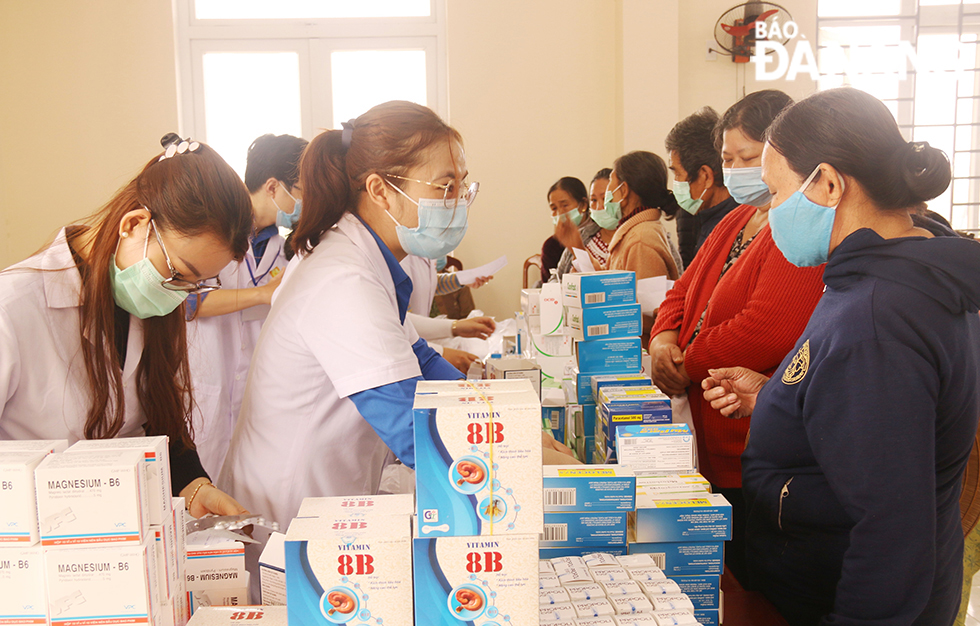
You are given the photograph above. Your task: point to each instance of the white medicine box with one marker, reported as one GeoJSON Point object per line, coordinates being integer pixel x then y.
{"type": "Point", "coordinates": [18, 505]}
{"type": "Point", "coordinates": [23, 599]}
{"type": "Point", "coordinates": [91, 498]}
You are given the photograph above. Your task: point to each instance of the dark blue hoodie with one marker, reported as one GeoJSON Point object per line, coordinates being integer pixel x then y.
{"type": "Point", "coordinates": [858, 443]}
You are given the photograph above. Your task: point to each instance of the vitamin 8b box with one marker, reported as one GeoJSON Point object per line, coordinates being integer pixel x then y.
{"type": "Point", "coordinates": [92, 497]}
{"type": "Point", "coordinates": [476, 580]}
{"type": "Point", "coordinates": [357, 506]}
{"type": "Point", "coordinates": [23, 600]}
{"type": "Point", "coordinates": [232, 615]}
{"type": "Point", "coordinates": [478, 463]}
{"type": "Point", "coordinates": [593, 488]}
{"type": "Point", "coordinates": [18, 503]}
{"type": "Point", "coordinates": [598, 288]}
{"type": "Point", "coordinates": [361, 575]}
{"type": "Point", "coordinates": [156, 465]}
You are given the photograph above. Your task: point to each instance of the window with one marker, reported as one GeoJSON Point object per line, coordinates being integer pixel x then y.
{"type": "Point", "coordinates": [938, 100]}
{"type": "Point", "coordinates": [250, 67]}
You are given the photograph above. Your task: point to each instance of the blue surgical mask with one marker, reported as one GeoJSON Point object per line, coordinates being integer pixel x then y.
{"type": "Point", "coordinates": [682, 193]}
{"type": "Point", "coordinates": [441, 263]}
{"type": "Point", "coordinates": [611, 212]}
{"type": "Point", "coordinates": [801, 228]}
{"type": "Point", "coordinates": [746, 186]}
{"type": "Point", "coordinates": [574, 215]}
{"type": "Point", "coordinates": [288, 220]}
{"type": "Point", "coordinates": [440, 228]}
{"type": "Point", "coordinates": [139, 289]}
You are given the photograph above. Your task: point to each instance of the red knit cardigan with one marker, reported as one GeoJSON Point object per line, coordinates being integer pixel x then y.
{"type": "Point", "coordinates": [754, 316]}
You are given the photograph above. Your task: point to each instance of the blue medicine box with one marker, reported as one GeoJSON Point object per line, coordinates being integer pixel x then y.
{"type": "Point", "coordinates": [588, 489]}
{"type": "Point", "coordinates": [685, 559]}
{"type": "Point", "coordinates": [617, 380]}
{"type": "Point", "coordinates": [583, 383]}
{"type": "Point", "coordinates": [598, 528]}
{"type": "Point", "coordinates": [554, 553]}
{"type": "Point", "coordinates": [706, 517]}
{"type": "Point", "coordinates": [609, 356]}
{"type": "Point", "coordinates": [555, 416]}
{"type": "Point", "coordinates": [704, 591]}
{"type": "Point", "coordinates": [707, 617]}
{"type": "Point", "coordinates": [598, 288]}
{"type": "Point", "coordinates": [603, 322]}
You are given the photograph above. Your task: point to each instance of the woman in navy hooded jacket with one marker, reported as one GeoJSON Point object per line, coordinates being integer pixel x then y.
{"type": "Point", "coordinates": [858, 444]}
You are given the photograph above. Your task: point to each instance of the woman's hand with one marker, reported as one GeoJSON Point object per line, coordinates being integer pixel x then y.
{"type": "Point", "coordinates": [270, 288]}
{"type": "Point", "coordinates": [553, 452]}
{"type": "Point", "coordinates": [459, 359]}
{"type": "Point", "coordinates": [480, 327]}
{"type": "Point", "coordinates": [667, 360]}
{"type": "Point", "coordinates": [479, 281]}
{"type": "Point", "coordinates": [209, 499]}
{"type": "Point", "coordinates": [566, 232]}
{"type": "Point", "coordinates": [733, 390]}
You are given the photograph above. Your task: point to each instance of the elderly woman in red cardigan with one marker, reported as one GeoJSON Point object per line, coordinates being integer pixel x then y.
{"type": "Point", "coordinates": [739, 302]}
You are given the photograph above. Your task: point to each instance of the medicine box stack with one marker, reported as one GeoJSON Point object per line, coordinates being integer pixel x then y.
{"type": "Point", "coordinates": [550, 349]}
{"type": "Point", "coordinates": [345, 572]}
{"type": "Point", "coordinates": [78, 543]}
{"type": "Point", "coordinates": [600, 589]}
{"type": "Point", "coordinates": [478, 458]}
{"type": "Point", "coordinates": [586, 509]}
{"type": "Point", "coordinates": [478, 476]}
{"type": "Point", "coordinates": [683, 527]}
{"type": "Point", "coordinates": [622, 406]}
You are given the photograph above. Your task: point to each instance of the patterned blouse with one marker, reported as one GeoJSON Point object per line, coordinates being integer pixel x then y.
{"type": "Point", "coordinates": [738, 247]}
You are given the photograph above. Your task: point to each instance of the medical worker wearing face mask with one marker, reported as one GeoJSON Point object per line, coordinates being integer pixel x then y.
{"type": "Point", "coordinates": [92, 337]}
{"type": "Point", "coordinates": [740, 301]}
{"type": "Point", "coordinates": [331, 387]}
{"type": "Point", "coordinates": [224, 326]}
{"type": "Point", "coordinates": [859, 440]}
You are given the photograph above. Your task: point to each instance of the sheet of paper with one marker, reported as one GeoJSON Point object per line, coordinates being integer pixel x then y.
{"type": "Point", "coordinates": [467, 277]}
{"type": "Point", "coordinates": [582, 262]}
{"type": "Point", "coordinates": [650, 292]}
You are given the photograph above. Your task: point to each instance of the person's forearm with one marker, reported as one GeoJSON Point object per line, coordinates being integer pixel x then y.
{"type": "Point", "coordinates": [224, 301]}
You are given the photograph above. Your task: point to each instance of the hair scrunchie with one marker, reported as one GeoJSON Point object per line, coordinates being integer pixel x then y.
{"type": "Point", "coordinates": [348, 133]}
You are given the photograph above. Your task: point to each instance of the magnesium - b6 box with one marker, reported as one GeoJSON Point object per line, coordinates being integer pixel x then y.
{"type": "Point", "coordinates": [476, 580]}
{"type": "Point", "coordinates": [23, 599]}
{"type": "Point", "coordinates": [478, 463]}
{"type": "Point", "coordinates": [92, 497]}
{"type": "Point", "coordinates": [603, 322]}
{"type": "Point", "coordinates": [156, 465]}
{"type": "Point", "coordinates": [50, 446]}
{"type": "Point", "coordinates": [18, 502]}
{"type": "Point", "coordinates": [91, 586]}
{"type": "Point", "coordinates": [352, 575]}
{"type": "Point", "coordinates": [707, 517]}
{"type": "Point", "coordinates": [598, 288]}
{"type": "Point", "coordinates": [593, 488]}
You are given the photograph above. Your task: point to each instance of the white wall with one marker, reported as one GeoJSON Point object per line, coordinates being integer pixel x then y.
{"type": "Point", "coordinates": [538, 89]}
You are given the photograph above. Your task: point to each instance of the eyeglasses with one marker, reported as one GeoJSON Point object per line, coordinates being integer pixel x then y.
{"type": "Point", "coordinates": [449, 197]}
{"type": "Point", "coordinates": [179, 284]}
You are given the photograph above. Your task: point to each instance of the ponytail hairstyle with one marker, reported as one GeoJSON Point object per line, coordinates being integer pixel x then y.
{"type": "Point", "coordinates": [388, 139]}
{"type": "Point", "coordinates": [192, 193]}
{"type": "Point", "coordinates": [574, 187]}
{"type": "Point", "coordinates": [646, 175]}
{"type": "Point", "coordinates": [856, 134]}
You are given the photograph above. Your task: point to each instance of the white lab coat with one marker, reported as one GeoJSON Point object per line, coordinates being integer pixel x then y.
{"type": "Point", "coordinates": [43, 383]}
{"type": "Point", "coordinates": [425, 280]}
{"type": "Point", "coordinates": [220, 349]}
{"type": "Point", "coordinates": [333, 331]}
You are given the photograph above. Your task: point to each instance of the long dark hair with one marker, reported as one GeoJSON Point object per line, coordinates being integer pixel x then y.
{"type": "Point", "coordinates": [856, 134]}
{"type": "Point", "coordinates": [752, 115]}
{"type": "Point", "coordinates": [191, 194]}
{"type": "Point", "coordinates": [389, 139]}
{"type": "Point", "coordinates": [646, 175]}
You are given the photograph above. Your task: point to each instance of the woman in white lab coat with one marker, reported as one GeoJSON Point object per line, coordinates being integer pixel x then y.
{"type": "Point", "coordinates": [332, 383]}
{"type": "Point", "coordinates": [224, 326]}
{"type": "Point", "coordinates": [92, 340]}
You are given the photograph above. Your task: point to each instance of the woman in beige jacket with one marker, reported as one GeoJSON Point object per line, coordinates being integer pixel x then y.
{"type": "Point", "coordinates": [636, 199]}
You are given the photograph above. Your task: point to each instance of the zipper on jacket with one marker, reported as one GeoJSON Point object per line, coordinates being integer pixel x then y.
{"type": "Point", "coordinates": [782, 495]}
